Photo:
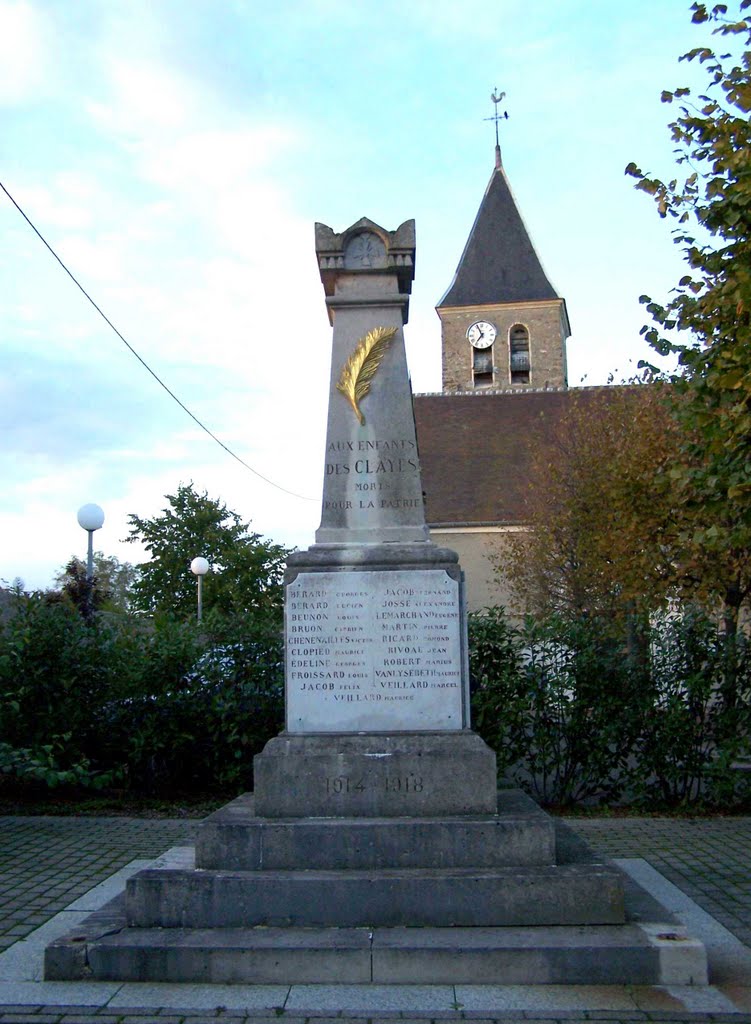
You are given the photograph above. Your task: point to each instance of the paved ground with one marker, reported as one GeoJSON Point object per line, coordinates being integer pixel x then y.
{"type": "Point", "coordinates": [46, 863]}
{"type": "Point", "coordinates": [708, 858]}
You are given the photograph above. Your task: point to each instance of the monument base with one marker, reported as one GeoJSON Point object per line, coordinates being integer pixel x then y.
{"type": "Point", "coordinates": [354, 556]}
{"type": "Point", "coordinates": [508, 898]}
{"type": "Point", "coordinates": [375, 775]}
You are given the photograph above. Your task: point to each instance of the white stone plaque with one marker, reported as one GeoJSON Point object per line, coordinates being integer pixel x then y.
{"type": "Point", "coordinates": [373, 652]}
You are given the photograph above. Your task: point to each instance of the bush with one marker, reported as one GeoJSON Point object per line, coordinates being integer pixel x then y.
{"type": "Point", "coordinates": [692, 734]}
{"type": "Point", "coordinates": [546, 698]}
{"type": "Point", "coordinates": [207, 702]}
{"type": "Point", "coordinates": [576, 711]}
{"type": "Point", "coordinates": [158, 705]}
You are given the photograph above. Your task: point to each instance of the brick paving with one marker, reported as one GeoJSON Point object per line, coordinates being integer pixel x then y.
{"type": "Point", "coordinates": [707, 858]}
{"type": "Point", "coordinates": [47, 862]}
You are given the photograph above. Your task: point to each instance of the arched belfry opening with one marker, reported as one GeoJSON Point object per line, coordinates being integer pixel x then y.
{"type": "Point", "coordinates": [519, 360]}
{"type": "Point", "coordinates": [482, 367]}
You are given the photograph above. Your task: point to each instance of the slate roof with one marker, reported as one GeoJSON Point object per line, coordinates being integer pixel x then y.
{"type": "Point", "coordinates": [499, 263]}
{"type": "Point", "coordinates": [474, 452]}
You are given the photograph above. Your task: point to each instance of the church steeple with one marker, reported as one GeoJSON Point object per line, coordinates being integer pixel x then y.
{"type": "Point", "coordinates": [503, 323]}
{"type": "Point", "coordinates": [499, 262]}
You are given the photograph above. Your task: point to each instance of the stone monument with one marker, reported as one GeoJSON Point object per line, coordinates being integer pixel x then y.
{"type": "Point", "coordinates": [376, 846]}
{"type": "Point", "coordinates": [377, 699]}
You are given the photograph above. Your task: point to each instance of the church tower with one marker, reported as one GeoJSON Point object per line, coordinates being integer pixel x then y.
{"type": "Point", "coordinates": [503, 325]}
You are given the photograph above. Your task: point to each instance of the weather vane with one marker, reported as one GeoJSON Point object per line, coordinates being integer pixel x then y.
{"type": "Point", "coordinates": [497, 117]}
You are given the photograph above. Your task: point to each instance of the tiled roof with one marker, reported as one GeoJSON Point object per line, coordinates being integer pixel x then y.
{"type": "Point", "coordinates": [474, 452]}
{"type": "Point", "coordinates": [499, 263]}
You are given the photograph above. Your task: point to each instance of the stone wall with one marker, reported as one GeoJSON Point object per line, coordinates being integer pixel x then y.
{"type": "Point", "coordinates": [480, 549]}
{"type": "Point", "coordinates": [545, 322]}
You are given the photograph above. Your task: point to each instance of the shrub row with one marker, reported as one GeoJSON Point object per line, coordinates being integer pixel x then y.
{"type": "Point", "coordinates": [576, 711]}
{"type": "Point", "coordinates": [579, 711]}
{"type": "Point", "coordinates": [155, 706]}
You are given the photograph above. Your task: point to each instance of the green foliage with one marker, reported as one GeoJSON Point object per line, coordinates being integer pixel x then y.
{"type": "Point", "coordinates": [112, 583]}
{"type": "Point", "coordinates": [42, 765]}
{"type": "Point", "coordinates": [692, 735]}
{"type": "Point", "coordinates": [246, 572]}
{"type": "Point", "coordinates": [206, 703]}
{"type": "Point", "coordinates": [500, 701]}
{"type": "Point", "coordinates": [91, 693]}
{"type": "Point", "coordinates": [574, 712]}
{"type": "Point", "coordinates": [158, 706]}
{"type": "Point", "coordinates": [576, 715]}
{"type": "Point", "coordinates": [544, 700]}
{"type": "Point", "coordinates": [55, 671]}
{"type": "Point", "coordinates": [712, 304]}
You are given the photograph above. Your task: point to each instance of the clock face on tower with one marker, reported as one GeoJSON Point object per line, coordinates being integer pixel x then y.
{"type": "Point", "coordinates": [481, 334]}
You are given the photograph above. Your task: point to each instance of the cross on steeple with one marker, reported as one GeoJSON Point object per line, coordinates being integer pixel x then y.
{"type": "Point", "coordinates": [497, 117]}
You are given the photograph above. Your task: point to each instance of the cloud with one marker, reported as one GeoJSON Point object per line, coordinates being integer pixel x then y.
{"type": "Point", "coordinates": [24, 53]}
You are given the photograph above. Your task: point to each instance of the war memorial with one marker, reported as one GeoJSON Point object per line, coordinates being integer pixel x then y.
{"type": "Point", "coordinates": [377, 846]}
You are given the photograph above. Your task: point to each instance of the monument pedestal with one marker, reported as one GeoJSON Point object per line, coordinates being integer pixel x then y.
{"type": "Point", "coordinates": [375, 775]}
{"type": "Point", "coordinates": [504, 898]}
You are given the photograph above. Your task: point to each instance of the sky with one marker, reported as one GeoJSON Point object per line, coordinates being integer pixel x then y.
{"type": "Point", "coordinates": [176, 155]}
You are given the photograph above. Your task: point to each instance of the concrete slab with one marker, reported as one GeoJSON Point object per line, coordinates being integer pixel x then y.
{"type": "Point", "coordinates": [519, 956]}
{"type": "Point", "coordinates": [261, 956]}
{"type": "Point", "coordinates": [57, 993]}
{"type": "Point", "coordinates": [199, 997]}
{"type": "Point", "coordinates": [739, 996]}
{"type": "Point", "coordinates": [691, 999]}
{"type": "Point", "coordinates": [451, 773]}
{"type": "Point", "coordinates": [729, 960]}
{"type": "Point", "coordinates": [24, 960]}
{"type": "Point", "coordinates": [371, 998]}
{"type": "Point", "coordinates": [500, 998]}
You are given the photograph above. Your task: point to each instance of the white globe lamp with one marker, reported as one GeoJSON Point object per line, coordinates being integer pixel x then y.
{"type": "Point", "coordinates": [199, 567]}
{"type": "Point", "coordinates": [90, 518]}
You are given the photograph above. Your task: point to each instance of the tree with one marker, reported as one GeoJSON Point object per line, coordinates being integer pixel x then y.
{"type": "Point", "coordinates": [246, 572]}
{"type": "Point", "coordinates": [112, 583]}
{"type": "Point", "coordinates": [711, 390]}
{"type": "Point", "coordinates": [601, 513]}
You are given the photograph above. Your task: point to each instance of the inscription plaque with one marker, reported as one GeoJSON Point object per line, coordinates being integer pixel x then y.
{"type": "Point", "coordinates": [373, 651]}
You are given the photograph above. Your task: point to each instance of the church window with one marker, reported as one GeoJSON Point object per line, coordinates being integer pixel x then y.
{"type": "Point", "coordinates": [519, 354]}
{"type": "Point", "coordinates": [482, 367]}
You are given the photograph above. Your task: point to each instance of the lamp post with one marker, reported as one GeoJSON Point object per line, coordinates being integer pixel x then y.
{"type": "Point", "coordinates": [90, 518]}
{"type": "Point", "coordinates": [199, 566]}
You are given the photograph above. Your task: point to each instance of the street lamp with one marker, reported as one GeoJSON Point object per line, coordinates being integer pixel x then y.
{"type": "Point", "coordinates": [199, 566]}
{"type": "Point", "coordinates": [90, 518]}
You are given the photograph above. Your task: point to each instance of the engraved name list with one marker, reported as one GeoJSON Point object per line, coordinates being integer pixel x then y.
{"type": "Point", "coordinates": [373, 651]}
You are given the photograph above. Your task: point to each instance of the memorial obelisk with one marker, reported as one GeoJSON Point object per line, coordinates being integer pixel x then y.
{"type": "Point", "coordinates": [375, 847]}
{"type": "Point", "coordinates": [377, 701]}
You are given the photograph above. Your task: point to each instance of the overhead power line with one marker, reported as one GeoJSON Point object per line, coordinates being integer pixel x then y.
{"type": "Point", "coordinates": [143, 362]}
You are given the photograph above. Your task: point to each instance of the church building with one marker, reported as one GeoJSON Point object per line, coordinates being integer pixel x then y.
{"type": "Point", "coordinates": [503, 341]}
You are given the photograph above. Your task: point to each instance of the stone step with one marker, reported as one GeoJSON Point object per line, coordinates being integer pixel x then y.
{"type": "Point", "coordinates": [571, 894]}
{"type": "Point", "coordinates": [595, 955]}
{"type": "Point", "coordinates": [233, 839]}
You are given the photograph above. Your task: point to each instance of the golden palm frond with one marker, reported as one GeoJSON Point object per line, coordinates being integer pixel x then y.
{"type": "Point", "coordinates": [359, 370]}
